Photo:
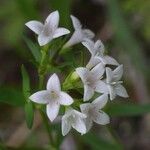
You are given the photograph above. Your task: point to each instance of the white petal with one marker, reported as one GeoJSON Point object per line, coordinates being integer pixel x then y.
{"type": "Point", "coordinates": [88, 123]}
{"type": "Point", "coordinates": [99, 47]}
{"type": "Point", "coordinates": [41, 97]}
{"type": "Point", "coordinates": [53, 83]}
{"type": "Point", "coordinates": [93, 62]}
{"type": "Point", "coordinates": [79, 125]}
{"type": "Point", "coordinates": [101, 101]}
{"type": "Point", "coordinates": [76, 38]}
{"type": "Point", "coordinates": [65, 99]}
{"type": "Point", "coordinates": [88, 93]}
{"type": "Point", "coordinates": [52, 110]}
{"type": "Point", "coordinates": [98, 70]}
{"type": "Point", "coordinates": [53, 20]}
{"type": "Point", "coordinates": [85, 108]}
{"type": "Point", "coordinates": [35, 26]}
{"type": "Point", "coordinates": [76, 23]}
{"type": "Point", "coordinates": [112, 92]}
{"type": "Point", "coordinates": [60, 32]}
{"type": "Point", "coordinates": [89, 44]}
{"type": "Point", "coordinates": [109, 75]}
{"type": "Point", "coordinates": [79, 114]}
{"type": "Point", "coordinates": [43, 39]}
{"type": "Point", "coordinates": [111, 61]}
{"type": "Point", "coordinates": [101, 87]}
{"type": "Point", "coordinates": [101, 118]}
{"type": "Point", "coordinates": [88, 34]}
{"type": "Point", "coordinates": [121, 91]}
{"type": "Point", "coordinates": [117, 73]}
{"type": "Point", "coordinates": [65, 126]}
{"type": "Point", "coordinates": [83, 73]}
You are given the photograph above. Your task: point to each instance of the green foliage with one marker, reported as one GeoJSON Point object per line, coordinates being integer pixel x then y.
{"type": "Point", "coordinates": [29, 114]}
{"type": "Point", "coordinates": [11, 96]}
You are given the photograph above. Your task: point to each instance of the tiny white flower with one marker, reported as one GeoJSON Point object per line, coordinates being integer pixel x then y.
{"type": "Point", "coordinates": [73, 118]}
{"type": "Point", "coordinates": [53, 97]}
{"type": "Point", "coordinates": [79, 35]}
{"type": "Point", "coordinates": [90, 79]}
{"type": "Point", "coordinates": [94, 113]}
{"type": "Point", "coordinates": [97, 54]}
{"type": "Point", "coordinates": [112, 84]}
{"type": "Point", "coordinates": [49, 30]}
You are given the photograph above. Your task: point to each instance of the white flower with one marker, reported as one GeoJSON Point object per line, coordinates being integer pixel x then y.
{"type": "Point", "coordinates": [79, 35]}
{"type": "Point", "coordinates": [112, 85]}
{"type": "Point", "coordinates": [73, 118]}
{"type": "Point", "coordinates": [93, 112]}
{"type": "Point", "coordinates": [53, 97]}
{"type": "Point", "coordinates": [90, 79]}
{"type": "Point", "coordinates": [97, 54]}
{"type": "Point", "coordinates": [49, 30]}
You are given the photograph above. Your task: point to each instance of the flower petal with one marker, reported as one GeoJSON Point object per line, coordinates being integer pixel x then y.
{"type": "Point", "coordinates": [117, 73]}
{"type": "Point", "coordinates": [88, 123]}
{"type": "Point", "coordinates": [109, 75]}
{"type": "Point", "coordinates": [88, 34]}
{"type": "Point", "coordinates": [110, 61]}
{"type": "Point", "coordinates": [53, 20]}
{"type": "Point", "coordinates": [53, 83]}
{"type": "Point", "coordinates": [112, 92]}
{"type": "Point", "coordinates": [88, 93]}
{"type": "Point", "coordinates": [65, 99]}
{"type": "Point", "coordinates": [35, 26]}
{"type": "Point", "coordinates": [101, 101]}
{"type": "Point", "coordinates": [99, 46]}
{"type": "Point", "coordinates": [79, 125]}
{"type": "Point", "coordinates": [52, 110]}
{"type": "Point", "coordinates": [76, 38]}
{"type": "Point", "coordinates": [93, 62]}
{"type": "Point", "coordinates": [83, 73]}
{"type": "Point", "coordinates": [65, 126]}
{"type": "Point", "coordinates": [121, 91]}
{"type": "Point", "coordinates": [76, 23]}
{"type": "Point", "coordinates": [89, 44]}
{"type": "Point", "coordinates": [85, 108]}
{"type": "Point", "coordinates": [41, 97]}
{"type": "Point", "coordinates": [101, 118]}
{"type": "Point", "coordinates": [60, 32]}
{"type": "Point", "coordinates": [98, 71]}
{"type": "Point", "coordinates": [79, 114]}
{"type": "Point", "coordinates": [101, 87]}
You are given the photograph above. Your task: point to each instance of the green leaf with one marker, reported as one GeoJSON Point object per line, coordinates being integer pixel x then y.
{"type": "Point", "coordinates": [25, 83]}
{"type": "Point", "coordinates": [34, 49]}
{"type": "Point", "coordinates": [29, 114]}
{"type": "Point", "coordinates": [11, 96]}
{"type": "Point", "coordinates": [97, 143]}
{"type": "Point", "coordinates": [128, 109]}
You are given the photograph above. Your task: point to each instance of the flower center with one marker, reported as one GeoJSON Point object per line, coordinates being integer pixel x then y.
{"type": "Point", "coordinates": [54, 95]}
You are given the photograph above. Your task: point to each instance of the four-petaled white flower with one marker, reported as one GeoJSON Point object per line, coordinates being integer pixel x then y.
{"type": "Point", "coordinates": [94, 113]}
{"type": "Point", "coordinates": [75, 119]}
{"type": "Point", "coordinates": [49, 30]}
{"type": "Point", "coordinates": [112, 84]}
{"type": "Point", "coordinates": [91, 79]}
{"type": "Point", "coordinates": [79, 35]}
{"type": "Point", "coordinates": [52, 96]}
{"type": "Point", "coordinates": [97, 54]}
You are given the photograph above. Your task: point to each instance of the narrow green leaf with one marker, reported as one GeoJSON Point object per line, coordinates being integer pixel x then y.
{"type": "Point", "coordinates": [128, 109]}
{"type": "Point", "coordinates": [34, 49]}
{"type": "Point", "coordinates": [25, 83]}
{"type": "Point", "coordinates": [11, 96]}
{"type": "Point", "coordinates": [29, 114]}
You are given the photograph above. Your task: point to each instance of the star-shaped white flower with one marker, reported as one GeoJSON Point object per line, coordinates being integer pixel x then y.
{"type": "Point", "coordinates": [53, 97]}
{"type": "Point", "coordinates": [49, 30]}
{"type": "Point", "coordinates": [112, 84]}
{"type": "Point", "coordinates": [79, 35]}
{"type": "Point", "coordinates": [94, 113]}
{"type": "Point", "coordinates": [90, 79]}
{"type": "Point", "coordinates": [73, 118]}
{"type": "Point", "coordinates": [97, 54]}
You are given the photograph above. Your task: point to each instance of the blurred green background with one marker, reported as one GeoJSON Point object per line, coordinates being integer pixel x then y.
{"type": "Point", "coordinates": [123, 26]}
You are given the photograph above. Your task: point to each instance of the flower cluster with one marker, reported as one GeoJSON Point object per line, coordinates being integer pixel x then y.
{"type": "Point", "coordinates": [96, 76]}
